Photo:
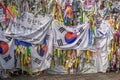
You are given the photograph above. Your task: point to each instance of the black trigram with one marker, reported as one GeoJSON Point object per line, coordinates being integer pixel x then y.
{"type": "Point", "coordinates": [37, 61]}
{"type": "Point", "coordinates": [7, 58]}
{"type": "Point", "coordinates": [49, 57]}
{"type": "Point", "coordinates": [81, 30]}
{"type": "Point", "coordinates": [61, 29]}
{"type": "Point", "coordinates": [78, 43]}
{"type": "Point", "coordinates": [59, 41]}
{"type": "Point", "coordinates": [8, 38]}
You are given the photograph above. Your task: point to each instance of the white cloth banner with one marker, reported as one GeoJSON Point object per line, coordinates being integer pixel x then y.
{"type": "Point", "coordinates": [42, 60]}
{"type": "Point", "coordinates": [76, 37]}
{"type": "Point", "coordinates": [102, 54]}
{"type": "Point", "coordinates": [29, 28]}
{"type": "Point", "coordinates": [104, 36]}
{"type": "Point", "coordinates": [6, 52]}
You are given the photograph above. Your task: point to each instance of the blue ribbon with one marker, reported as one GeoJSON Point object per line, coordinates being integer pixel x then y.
{"type": "Point", "coordinates": [89, 36]}
{"type": "Point", "coordinates": [18, 42]}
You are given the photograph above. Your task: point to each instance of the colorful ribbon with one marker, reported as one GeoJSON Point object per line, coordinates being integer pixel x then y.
{"type": "Point", "coordinates": [6, 11]}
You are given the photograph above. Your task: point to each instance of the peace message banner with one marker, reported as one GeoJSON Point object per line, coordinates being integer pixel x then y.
{"type": "Point", "coordinates": [29, 28]}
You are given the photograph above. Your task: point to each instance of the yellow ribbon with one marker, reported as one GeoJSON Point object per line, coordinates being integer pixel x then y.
{"type": "Point", "coordinates": [109, 56]}
{"type": "Point", "coordinates": [12, 8]}
{"type": "Point", "coordinates": [114, 46]}
{"type": "Point", "coordinates": [54, 52]}
{"type": "Point", "coordinates": [88, 55]}
{"type": "Point", "coordinates": [59, 53]}
{"type": "Point", "coordinates": [25, 56]}
{"type": "Point", "coordinates": [77, 61]}
{"type": "Point", "coordinates": [39, 48]}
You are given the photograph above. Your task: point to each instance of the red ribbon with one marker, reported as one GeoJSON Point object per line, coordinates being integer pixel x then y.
{"type": "Point", "coordinates": [5, 9]}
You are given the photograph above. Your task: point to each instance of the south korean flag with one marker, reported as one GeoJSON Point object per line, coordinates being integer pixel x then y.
{"type": "Point", "coordinates": [6, 52]}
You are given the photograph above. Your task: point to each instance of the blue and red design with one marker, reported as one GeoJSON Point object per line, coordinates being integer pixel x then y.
{"type": "Point", "coordinates": [70, 37]}
{"type": "Point", "coordinates": [44, 48]}
{"type": "Point", "coordinates": [4, 47]}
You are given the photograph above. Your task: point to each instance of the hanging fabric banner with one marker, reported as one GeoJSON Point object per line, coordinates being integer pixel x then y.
{"type": "Point", "coordinates": [71, 37]}
{"type": "Point", "coordinates": [6, 52]}
{"type": "Point", "coordinates": [29, 28]}
{"type": "Point", "coordinates": [41, 54]}
{"type": "Point", "coordinates": [104, 35]}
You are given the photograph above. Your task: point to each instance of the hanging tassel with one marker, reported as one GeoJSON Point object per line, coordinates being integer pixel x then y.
{"type": "Point", "coordinates": [91, 20]}
{"type": "Point", "coordinates": [21, 58]}
{"type": "Point", "coordinates": [38, 48]}
{"type": "Point", "coordinates": [71, 53]}
{"type": "Point", "coordinates": [66, 65]}
{"type": "Point", "coordinates": [76, 64]}
{"type": "Point", "coordinates": [93, 28]}
{"type": "Point", "coordinates": [89, 36]}
{"type": "Point", "coordinates": [25, 57]}
{"type": "Point", "coordinates": [28, 50]}
{"type": "Point", "coordinates": [115, 62]}
{"type": "Point", "coordinates": [75, 52]}
{"type": "Point", "coordinates": [59, 52]}
{"type": "Point", "coordinates": [58, 56]}
{"type": "Point", "coordinates": [110, 21]}
{"type": "Point", "coordinates": [6, 11]}
{"type": "Point", "coordinates": [88, 56]}
{"type": "Point", "coordinates": [82, 16]}
{"type": "Point", "coordinates": [17, 49]}
{"type": "Point", "coordinates": [61, 57]}
{"type": "Point", "coordinates": [64, 57]}
{"type": "Point", "coordinates": [60, 16]}
{"type": "Point", "coordinates": [55, 9]}
{"type": "Point", "coordinates": [77, 61]}
{"type": "Point", "coordinates": [110, 56]}
{"type": "Point", "coordinates": [43, 72]}
{"type": "Point", "coordinates": [55, 57]}
{"type": "Point", "coordinates": [12, 8]}
{"type": "Point", "coordinates": [114, 47]}
{"type": "Point", "coordinates": [43, 7]}
{"type": "Point", "coordinates": [28, 54]}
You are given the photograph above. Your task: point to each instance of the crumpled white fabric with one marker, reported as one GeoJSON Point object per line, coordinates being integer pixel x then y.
{"type": "Point", "coordinates": [104, 36]}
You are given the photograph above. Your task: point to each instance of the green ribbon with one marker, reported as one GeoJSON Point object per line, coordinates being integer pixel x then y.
{"type": "Point", "coordinates": [28, 50]}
